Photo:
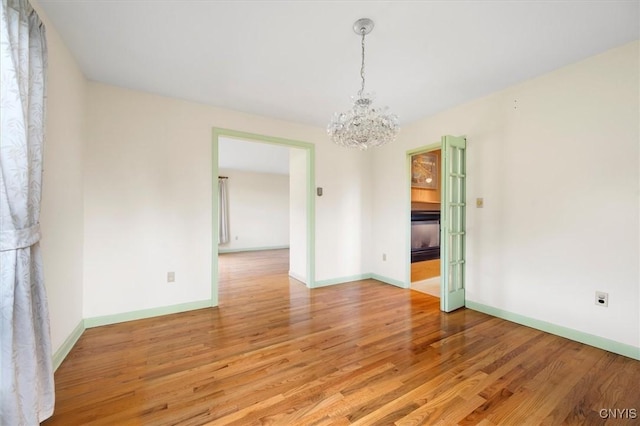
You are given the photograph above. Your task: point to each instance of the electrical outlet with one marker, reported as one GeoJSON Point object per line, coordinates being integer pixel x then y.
{"type": "Point", "coordinates": [384, 257]}
{"type": "Point", "coordinates": [171, 277]}
{"type": "Point", "coordinates": [602, 298]}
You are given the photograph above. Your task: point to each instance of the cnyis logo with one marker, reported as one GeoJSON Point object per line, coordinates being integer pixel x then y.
{"type": "Point", "coordinates": [618, 413]}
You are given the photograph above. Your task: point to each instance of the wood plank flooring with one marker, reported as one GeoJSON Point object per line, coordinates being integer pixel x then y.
{"type": "Point", "coordinates": [362, 353]}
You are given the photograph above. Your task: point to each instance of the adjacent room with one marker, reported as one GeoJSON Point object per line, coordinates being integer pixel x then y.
{"type": "Point", "coordinates": [298, 213]}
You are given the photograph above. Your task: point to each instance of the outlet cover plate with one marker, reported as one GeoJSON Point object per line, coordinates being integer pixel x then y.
{"type": "Point", "coordinates": [602, 298]}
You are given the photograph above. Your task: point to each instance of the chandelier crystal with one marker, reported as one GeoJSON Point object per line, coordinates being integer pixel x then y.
{"type": "Point", "coordinates": [363, 126]}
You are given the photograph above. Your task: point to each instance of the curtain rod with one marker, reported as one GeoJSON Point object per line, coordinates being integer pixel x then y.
{"type": "Point", "coordinates": [223, 177]}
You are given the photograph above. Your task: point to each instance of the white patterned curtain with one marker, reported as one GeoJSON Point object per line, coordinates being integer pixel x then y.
{"type": "Point", "coordinates": [223, 209]}
{"type": "Point", "coordinates": [26, 370]}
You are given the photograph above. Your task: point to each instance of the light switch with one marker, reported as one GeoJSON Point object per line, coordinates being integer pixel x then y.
{"type": "Point", "coordinates": [319, 191]}
{"type": "Point", "coordinates": [479, 203]}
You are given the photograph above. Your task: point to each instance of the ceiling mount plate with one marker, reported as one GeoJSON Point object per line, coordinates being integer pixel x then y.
{"type": "Point", "coordinates": [363, 26]}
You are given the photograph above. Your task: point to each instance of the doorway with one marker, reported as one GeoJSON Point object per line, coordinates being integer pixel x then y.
{"type": "Point", "coordinates": [301, 174]}
{"type": "Point", "coordinates": [450, 168]}
{"type": "Point", "coordinates": [426, 189]}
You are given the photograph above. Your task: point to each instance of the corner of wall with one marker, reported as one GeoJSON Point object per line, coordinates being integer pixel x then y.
{"type": "Point", "coordinates": [62, 206]}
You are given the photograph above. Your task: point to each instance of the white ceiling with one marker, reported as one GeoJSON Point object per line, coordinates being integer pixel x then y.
{"type": "Point", "coordinates": [238, 154]}
{"type": "Point", "coordinates": [299, 60]}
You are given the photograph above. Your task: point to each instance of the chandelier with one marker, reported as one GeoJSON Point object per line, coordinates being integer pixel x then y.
{"type": "Point", "coordinates": [363, 126]}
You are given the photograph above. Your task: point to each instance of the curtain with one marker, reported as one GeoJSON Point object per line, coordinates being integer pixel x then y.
{"type": "Point", "coordinates": [223, 209]}
{"type": "Point", "coordinates": [26, 370]}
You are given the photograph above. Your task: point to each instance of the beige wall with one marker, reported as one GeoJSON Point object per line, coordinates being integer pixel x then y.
{"type": "Point", "coordinates": [62, 193]}
{"type": "Point", "coordinates": [556, 160]}
{"type": "Point", "coordinates": [258, 210]}
{"type": "Point", "coordinates": [148, 199]}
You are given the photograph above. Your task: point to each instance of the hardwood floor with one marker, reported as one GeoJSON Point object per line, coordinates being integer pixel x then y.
{"type": "Point", "coordinates": [364, 353]}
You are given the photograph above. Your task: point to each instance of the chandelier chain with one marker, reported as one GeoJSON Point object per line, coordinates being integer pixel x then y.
{"type": "Point", "coordinates": [362, 65]}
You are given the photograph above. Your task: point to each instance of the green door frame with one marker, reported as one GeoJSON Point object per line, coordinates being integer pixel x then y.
{"type": "Point", "coordinates": [310, 185]}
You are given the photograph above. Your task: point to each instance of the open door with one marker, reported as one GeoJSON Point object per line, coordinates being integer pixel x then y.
{"type": "Point", "coordinates": [452, 219]}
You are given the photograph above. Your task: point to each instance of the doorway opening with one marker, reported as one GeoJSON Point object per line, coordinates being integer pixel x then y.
{"type": "Point", "coordinates": [425, 245]}
{"type": "Point", "coordinates": [300, 244]}
{"type": "Point", "coordinates": [446, 162]}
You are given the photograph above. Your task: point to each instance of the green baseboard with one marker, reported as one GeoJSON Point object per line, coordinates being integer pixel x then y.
{"type": "Point", "coordinates": [578, 336]}
{"type": "Point", "coordinates": [341, 280]}
{"type": "Point", "coordinates": [145, 313]}
{"type": "Point", "coordinates": [387, 280]}
{"type": "Point", "coordinates": [238, 250]}
{"type": "Point", "coordinates": [297, 277]}
{"type": "Point", "coordinates": [67, 345]}
{"type": "Point", "coordinates": [367, 276]}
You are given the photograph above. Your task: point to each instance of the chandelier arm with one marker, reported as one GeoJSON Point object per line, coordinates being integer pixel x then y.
{"type": "Point", "coordinates": [362, 65]}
